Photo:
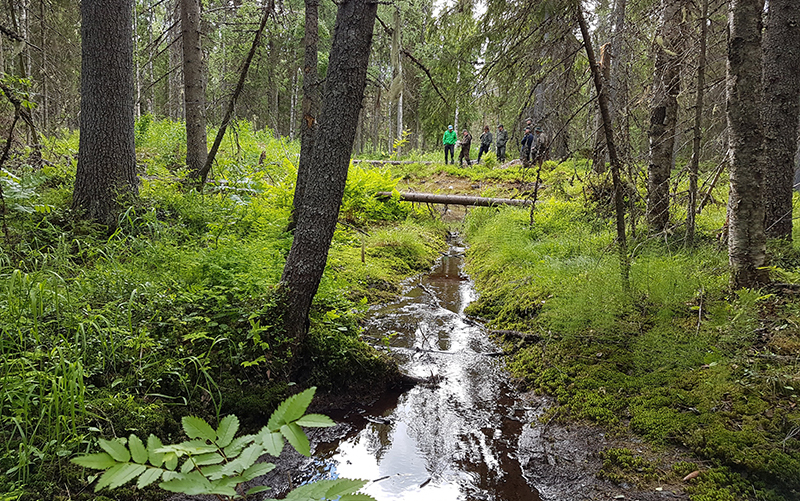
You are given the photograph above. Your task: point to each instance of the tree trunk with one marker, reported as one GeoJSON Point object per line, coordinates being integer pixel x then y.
{"type": "Point", "coordinates": [664, 113]}
{"type": "Point", "coordinates": [174, 84]}
{"type": "Point", "coordinates": [311, 104]}
{"type": "Point", "coordinates": [600, 152]}
{"type": "Point", "coordinates": [106, 154]}
{"type": "Point", "coordinates": [616, 167]}
{"type": "Point", "coordinates": [781, 83]}
{"type": "Point", "coordinates": [194, 87]}
{"type": "Point", "coordinates": [746, 238]}
{"type": "Point", "coordinates": [618, 86]}
{"type": "Point", "coordinates": [319, 207]}
{"type": "Point", "coordinates": [694, 166]}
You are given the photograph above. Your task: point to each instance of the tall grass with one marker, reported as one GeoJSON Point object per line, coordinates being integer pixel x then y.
{"type": "Point", "coordinates": [172, 311]}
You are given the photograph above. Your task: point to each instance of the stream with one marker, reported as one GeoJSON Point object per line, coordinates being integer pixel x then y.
{"type": "Point", "coordinates": [453, 439]}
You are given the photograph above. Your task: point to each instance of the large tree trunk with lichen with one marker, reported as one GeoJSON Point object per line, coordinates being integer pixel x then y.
{"type": "Point", "coordinates": [330, 157]}
{"type": "Point", "coordinates": [194, 93]}
{"type": "Point", "coordinates": [664, 113]}
{"type": "Point", "coordinates": [781, 83]}
{"type": "Point", "coordinates": [106, 172]}
{"type": "Point", "coordinates": [746, 238]}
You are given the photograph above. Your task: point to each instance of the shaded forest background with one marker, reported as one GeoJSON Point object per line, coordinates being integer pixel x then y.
{"type": "Point", "coordinates": [463, 63]}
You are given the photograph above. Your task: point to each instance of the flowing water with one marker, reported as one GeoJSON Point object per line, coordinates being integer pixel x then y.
{"type": "Point", "coordinates": [453, 439]}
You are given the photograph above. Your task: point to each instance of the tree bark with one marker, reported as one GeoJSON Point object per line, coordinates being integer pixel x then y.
{"type": "Point", "coordinates": [174, 84]}
{"type": "Point", "coordinates": [194, 93]}
{"type": "Point", "coordinates": [311, 103]}
{"type": "Point", "coordinates": [694, 166]}
{"type": "Point", "coordinates": [319, 207]}
{"type": "Point", "coordinates": [616, 167]}
{"type": "Point", "coordinates": [664, 113]}
{"type": "Point", "coordinates": [746, 238]}
{"type": "Point", "coordinates": [781, 83]}
{"type": "Point", "coordinates": [106, 153]}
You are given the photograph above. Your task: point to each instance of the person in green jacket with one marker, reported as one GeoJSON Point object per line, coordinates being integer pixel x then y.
{"type": "Point", "coordinates": [449, 142]}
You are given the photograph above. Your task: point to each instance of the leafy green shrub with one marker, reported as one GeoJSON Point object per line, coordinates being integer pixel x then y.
{"type": "Point", "coordinates": [216, 461]}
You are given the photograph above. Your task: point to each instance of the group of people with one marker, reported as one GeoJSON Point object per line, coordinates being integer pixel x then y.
{"type": "Point", "coordinates": [532, 147]}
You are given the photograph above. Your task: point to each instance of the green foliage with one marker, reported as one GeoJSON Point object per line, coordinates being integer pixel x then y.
{"type": "Point", "coordinates": [172, 312]}
{"type": "Point", "coordinates": [359, 203]}
{"type": "Point", "coordinates": [681, 362]}
{"type": "Point", "coordinates": [621, 465]}
{"type": "Point", "coordinates": [215, 461]}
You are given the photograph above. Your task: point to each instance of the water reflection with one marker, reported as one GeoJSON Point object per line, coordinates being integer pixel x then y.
{"type": "Point", "coordinates": [452, 441]}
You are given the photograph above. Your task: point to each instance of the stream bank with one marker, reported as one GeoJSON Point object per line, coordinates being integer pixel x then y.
{"type": "Point", "coordinates": [465, 432]}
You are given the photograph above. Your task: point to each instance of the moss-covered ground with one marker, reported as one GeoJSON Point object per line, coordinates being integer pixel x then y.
{"type": "Point", "coordinates": [681, 361]}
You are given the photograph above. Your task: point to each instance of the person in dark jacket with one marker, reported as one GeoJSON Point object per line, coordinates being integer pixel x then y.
{"type": "Point", "coordinates": [525, 148]}
{"type": "Point", "coordinates": [486, 142]}
{"type": "Point", "coordinates": [466, 142]}
{"type": "Point", "coordinates": [502, 139]}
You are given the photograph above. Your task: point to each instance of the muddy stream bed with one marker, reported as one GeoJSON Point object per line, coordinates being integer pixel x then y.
{"type": "Point", "coordinates": [467, 434]}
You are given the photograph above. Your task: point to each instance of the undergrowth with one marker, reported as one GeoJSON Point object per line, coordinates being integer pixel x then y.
{"type": "Point", "coordinates": [104, 332]}
{"type": "Point", "coordinates": [683, 361]}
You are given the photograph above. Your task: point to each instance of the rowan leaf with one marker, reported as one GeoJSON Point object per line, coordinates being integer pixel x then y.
{"type": "Point", "coordinates": [170, 460]}
{"type": "Point", "coordinates": [256, 471]}
{"type": "Point", "coordinates": [196, 427]}
{"type": "Point", "coordinates": [193, 484]}
{"type": "Point", "coordinates": [291, 409]}
{"type": "Point", "coordinates": [257, 489]}
{"type": "Point", "coordinates": [100, 461]}
{"type": "Point", "coordinates": [119, 475]}
{"type": "Point", "coordinates": [344, 486]}
{"type": "Point", "coordinates": [148, 477]}
{"type": "Point", "coordinates": [295, 435]}
{"type": "Point", "coordinates": [315, 421]}
{"type": "Point", "coordinates": [357, 497]}
{"type": "Point", "coordinates": [272, 441]}
{"type": "Point", "coordinates": [153, 444]}
{"type": "Point", "coordinates": [226, 430]}
{"type": "Point", "coordinates": [138, 451]}
{"type": "Point", "coordinates": [115, 449]}
{"type": "Point", "coordinates": [235, 448]}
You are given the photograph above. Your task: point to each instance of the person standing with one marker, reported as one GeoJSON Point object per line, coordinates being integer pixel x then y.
{"type": "Point", "coordinates": [502, 139]}
{"type": "Point", "coordinates": [539, 148]}
{"type": "Point", "coordinates": [449, 142]}
{"type": "Point", "coordinates": [466, 142]}
{"type": "Point", "coordinates": [486, 142]}
{"type": "Point", "coordinates": [525, 149]}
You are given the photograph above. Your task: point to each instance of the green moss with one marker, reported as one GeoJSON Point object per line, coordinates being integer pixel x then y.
{"type": "Point", "coordinates": [621, 465]}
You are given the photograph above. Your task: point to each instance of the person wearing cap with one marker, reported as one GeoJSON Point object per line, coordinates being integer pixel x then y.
{"type": "Point", "coordinates": [525, 148]}
{"type": "Point", "coordinates": [449, 142]}
{"type": "Point", "coordinates": [502, 139]}
{"type": "Point", "coordinates": [486, 142]}
{"type": "Point", "coordinates": [466, 143]}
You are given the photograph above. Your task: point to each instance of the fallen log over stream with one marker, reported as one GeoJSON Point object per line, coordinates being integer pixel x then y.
{"type": "Point", "coordinates": [432, 198]}
{"type": "Point", "coordinates": [390, 162]}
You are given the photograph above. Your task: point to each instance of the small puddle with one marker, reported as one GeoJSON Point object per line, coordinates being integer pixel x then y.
{"type": "Point", "coordinates": [452, 440]}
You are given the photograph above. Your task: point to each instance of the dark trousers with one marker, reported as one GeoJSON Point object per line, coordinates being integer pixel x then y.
{"type": "Point", "coordinates": [461, 156]}
{"type": "Point", "coordinates": [452, 149]}
{"type": "Point", "coordinates": [501, 153]}
{"type": "Point", "coordinates": [483, 149]}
